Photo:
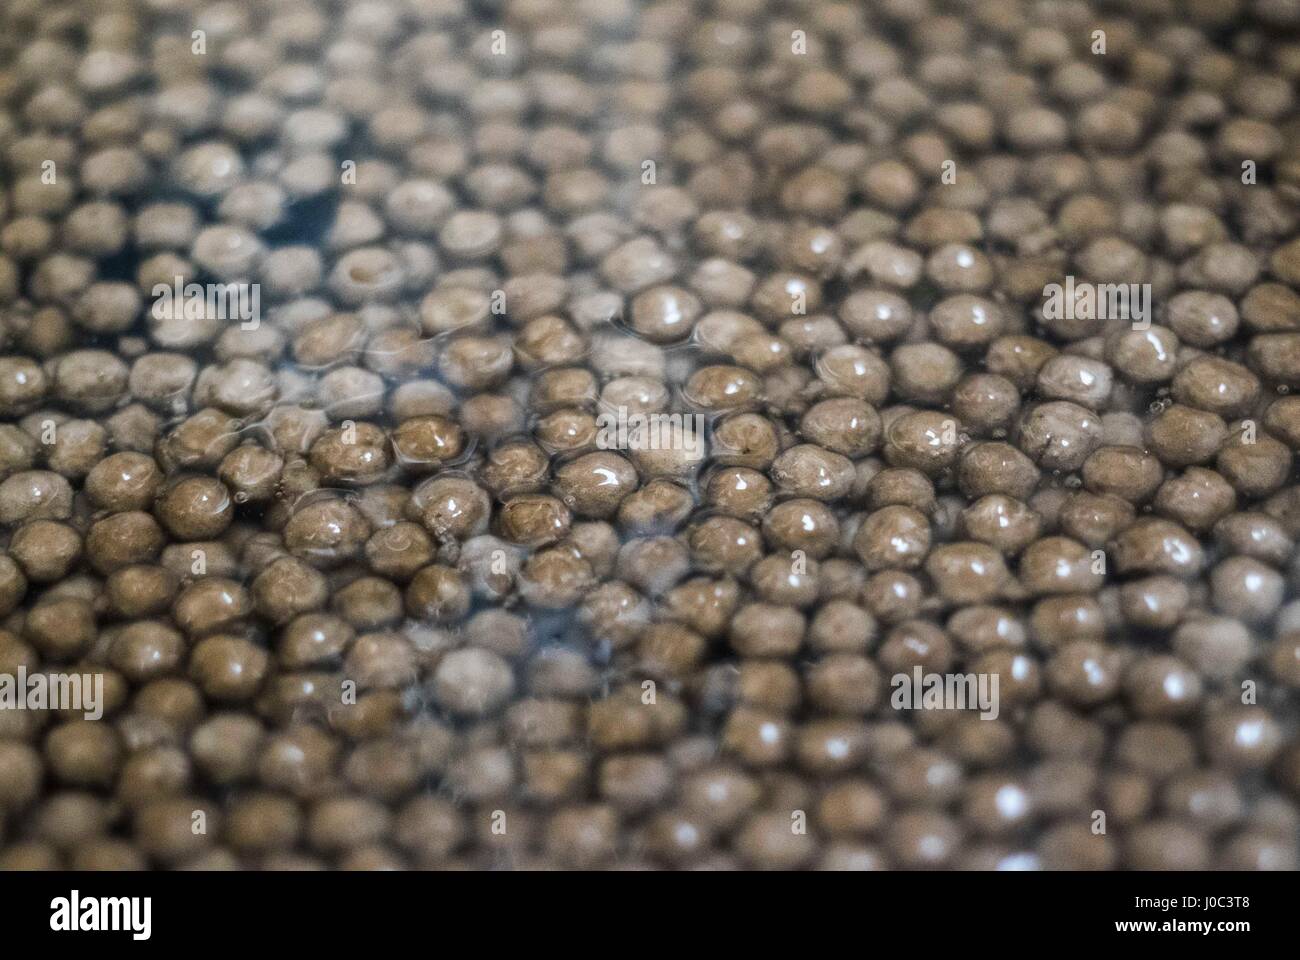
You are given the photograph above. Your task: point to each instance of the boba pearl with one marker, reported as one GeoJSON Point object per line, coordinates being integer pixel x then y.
{"type": "Point", "coordinates": [375, 582]}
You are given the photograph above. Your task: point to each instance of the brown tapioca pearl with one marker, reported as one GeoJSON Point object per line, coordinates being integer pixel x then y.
{"type": "Point", "coordinates": [802, 524]}
{"type": "Point", "coordinates": [725, 544]}
{"type": "Point", "coordinates": [722, 389]}
{"type": "Point", "coordinates": [146, 649]}
{"type": "Point", "coordinates": [90, 380]}
{"type": "Point", "coordinates": [1166, 845]}
{"type": "Point", "coordinates": [35, 495]}
{"type": "Point", "coordinates": [762, 629]}
{"type": "Point", "coordinates": [1060, 733]}
{"type": "Point", "coordinates": [1153, 545]}
{"type": "Point", "coordinates": [211, 605]}
{"type": "Point", "coordinates": [381, 661]}
{"type": "Point", "coordinates": [893, 595]}
{"type": "Point", "coordinates": [633, 393]}
{"type": "Point", "coordinates": [1209, 799]}
{"type": "Point", "coordinates": [759, 738]}
{"type": "Point", "coordinates": [886, 264]}
{"type": "Point", "coordinates": [196, 508]}
{"type": "Point", "coordinates": [545, 342]}
{"type": "Point", "coordinates": [399, 551]}
{"type": "Point", "coordinates": [1002, 522]}
{"type": "Point", "coordinates": [653, 564]}
{"type": "Point", "coordinates": [1216, 385]}
{"type": "Point", "coordinates": [481, 363]}
{"type": "Point", "coordinates": [1061, 565]}
{"type": "Point", "coordinates": [925, 372]}
{"type": "Point", "coordinates": [239, 386]}
{"type": "Point", "coordinates": [914, 643]}
{"type": "Point", "coordinates": [1073, 846]}
{"type": "Point", "coordinates": [853, 371]}
{"type": "Point", "coordinates": [288, 587]}
{"type": "Point", "coordinates": [342, 823]}
{"type": "Point", "coordinates": [637, 264]}
{"type": "Point", "coordinates": [747, 440]}
{"type": "Point", "coordinates": [739, 492]}
{"type": "Point", "coordinates": [1270, 307]}
{"type": "Point", "coordinates": [995, 805]}
{"type": "Point", "coordinates": [596, 542]}
{"type": "Point", "coordinates": [155, 772]}
{"type": "Point", "coordinates": [786, 579]}
{"type": "Point", "coordinates": [876, 316]}
{"type": "Point", "coordinates": [1157, 603]}
{"type": "Point", "coordinates": [830, 747]}
{"type": "Point", "coordinates": [533, 520]}
{"type": "Point", "coordinates": [923, 839]}
{"type": "Point", "coordinates": [78, 446]}
{"type": "Point", "coordinates": [123, 539]}
{"type": "Point", "coordinates": [18, 450]}
{"type": "Point", "coordinates": [313, 639]}
{"type": "Point", "coordinates": [251, 472]}
{"type": "Point", "coordinates": [140, 591]}
{"type": "Point", "coordinates": [1197, 498]}
{"type": "Point", "coordinates": [1019, 675]}
{"type": "Point", "coordinates": [997, 468]}
{"type": "Point", "coordinates": [634, 782]}
{"type": "Point", "coordinates": [893, 537]}
{"type": "Point", "coordinates": [1126, 472]}
{"type": "Point", "coordinates": [967, 572]}
{"type": "Point", "coordinates": [845, 684]}
{"type": "Point", "coordinates": [369, 603]}
{"type": "Point", "coordinates": [355, 453]}
{"type": "Point", "coordinates": [1283, 659]}
{"type": "Point", "coordinates": [985, 402]}
{"type": "Point", "coordinates": [334, 339]}
{"type": "Point", "coordinates": [1181, 436]}
{"type": "Point", "coordinates": [555, 578]}
{"type": "Point", "coordinates": [1202, 319]}
{"type": "Point", "coordinates": [595, 484]}
{"type": "Point", "coordinates": [326, 532]}
{"type": "Point", "coordinates": [23, 384]}
{"type": "Point", "coordinates": [571, 387]}
{"type": "Point", "coordinates": [437, 593]}
{"type": "Point", "coordinates": [924, 440]}
{"type": "Point", "coordinates": [665, 314]}
{"type": "Point", "coordinates": [451, 507]}
{"type": "Point", "coordinates": [1093, 519]}
{"type": "Point", "coordinates": [1059, 435]}
{"type": "Point", "coordinates": [200, 441]}
{"type": "Point", "coordinates": [1018, 358]}
{"type": "Point", "coordinates": [1254, 534]}
{"type": "Point", "coordinates": [584, 837]}
{"type": "Point", "coordinates": [808, 470]}
{"type": "Point", "coordinates": [62, 628]}
{"type": "Point", "coordinates": [1250, 850]}
{"type": "Point", "coordinates": [1161, 687]}
{"type": "Point", "coordinates": [83, 753]}
{"type": "Point", "coordinates": [567, 431]}
{"type": "Point", "coordinates": [1254, 463]}
{"type": "Point", "coordinates": [1077, 379]}
{"type": "Point", "coordinates": [1247, 589]}
{"type": "Point", "coordinates": [902, 486]}
{"type": "Point", "coordinates": [1227, 267]}
{"type": "Point", "coordinates": [1276, 357]}
{"type": "Point", "coordinates": [703, 603]}
{"type": "Point", "coordinates": [121, 481]}
{"type": "Point", "coordinates": [516, 467]}
{"type": "Point", "coordinates": [45, 550]}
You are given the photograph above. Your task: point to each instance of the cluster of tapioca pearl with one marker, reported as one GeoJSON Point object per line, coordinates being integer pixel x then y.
{"type": "Point", "coordinates": [618, 780]}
